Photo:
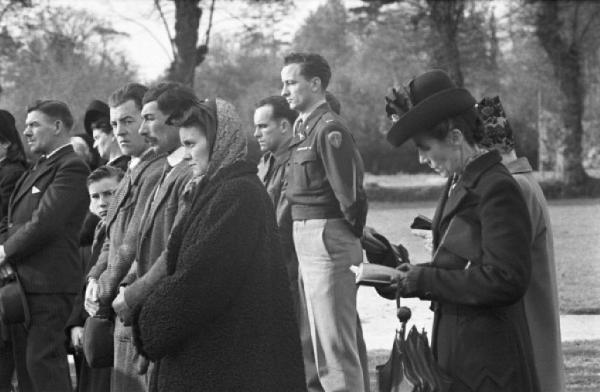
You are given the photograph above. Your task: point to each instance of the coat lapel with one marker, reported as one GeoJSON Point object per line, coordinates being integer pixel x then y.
{"type": "Point", "coordinates": [435, 223]}
{"type": "Point", "coordinates": [449, 204]}
{"type": "Point", "coordinates": [132, 177]}
{"type": "Point", "coordinates": [27, 181]}
{"type": "Point", "coordinates": [157, 199]}
{"type": "Point", "coordinates": [454, 201]}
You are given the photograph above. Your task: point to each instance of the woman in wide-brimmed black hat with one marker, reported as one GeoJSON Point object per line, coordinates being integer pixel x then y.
{"type": "Point", "coordinates": [481, 262]}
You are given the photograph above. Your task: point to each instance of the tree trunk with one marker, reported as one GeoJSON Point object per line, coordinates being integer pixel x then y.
{"type": "Point", "coordinates": [445, 18]}
{"type": "Point", "coordinates": [187, 21]}
{"type": "Point", "coordinates": [566, 63]}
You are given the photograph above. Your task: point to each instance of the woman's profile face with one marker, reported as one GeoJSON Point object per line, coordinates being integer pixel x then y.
{"type": "Point", "coordinates": [197, 151]}
{"type": "Point", "coordinates": [440, 155]}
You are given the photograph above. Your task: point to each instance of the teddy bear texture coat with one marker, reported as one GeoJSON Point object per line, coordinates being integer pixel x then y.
{"type": "Point", "coordinates": [222, 319]}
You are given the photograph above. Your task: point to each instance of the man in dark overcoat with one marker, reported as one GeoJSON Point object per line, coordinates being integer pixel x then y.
{"type": "Point", "coordinates": [46, 211]}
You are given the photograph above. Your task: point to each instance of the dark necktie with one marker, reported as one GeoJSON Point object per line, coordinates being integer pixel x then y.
{"type": "Point", "coordinates": [298, 131]}
{"type": "Point", "coordinates": [37, 164]}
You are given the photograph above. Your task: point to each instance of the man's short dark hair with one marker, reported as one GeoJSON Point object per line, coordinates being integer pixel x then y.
{"type": "Point", "coordinates": [130, 92]}
{"type": "Point", "coordinates": [172, 99]}
{"type": "Point", "coordinates": [106, 171]}
{"type": "Point", "coordinates": [56, 110]}
{"type": "Point", "coordinates": [311, 65]}
{"type": "Point", "coordinates": [281, 108]}
{"type": "Point", "coordinates": [103, 124]}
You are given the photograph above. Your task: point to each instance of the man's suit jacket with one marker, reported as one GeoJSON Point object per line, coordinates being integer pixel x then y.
{"type": "Point", "coordinates": [45, 214]}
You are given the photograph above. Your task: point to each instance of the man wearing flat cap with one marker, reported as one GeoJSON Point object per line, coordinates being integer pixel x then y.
{"type": "Point", "coordinates": [329, 209]}
{"type": "Point", "coordinates": [481, 263]}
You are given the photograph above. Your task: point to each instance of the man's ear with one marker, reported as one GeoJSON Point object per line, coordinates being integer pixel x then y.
{"type": "Point", "coordinates": [315, 84]}
{"type": "Point", "coordinates": [285, 126]}
{"type": "Point", "coordinates": [58, 126]}
{"type": "Point", "coordinates": [455, 137]}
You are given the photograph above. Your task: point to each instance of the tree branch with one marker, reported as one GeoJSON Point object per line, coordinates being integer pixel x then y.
{"type": "Point", "coordinates": [164, 20]}
{"type": "Point", "coordinates": [210, 22]}
{"type": "Point", "coordinates": [586, 28]}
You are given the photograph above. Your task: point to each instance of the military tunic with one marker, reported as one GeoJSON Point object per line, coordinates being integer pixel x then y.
{"type": "Point", "coordinates": [329, 206]}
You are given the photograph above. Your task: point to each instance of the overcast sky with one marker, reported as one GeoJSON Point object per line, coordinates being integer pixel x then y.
{"type": "Point", "coordinates": [148, 46]}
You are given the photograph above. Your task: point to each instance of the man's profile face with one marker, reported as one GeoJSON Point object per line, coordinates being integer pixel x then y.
{"type": "Point", "coordinates": [296, 89]}
{"type": "Point", "coordinates": [41, 132]}
{"type": "Point", "coordinates": [125, 120]}
{"type": "Point", "coordinates": [268, 132]}
{"type": "Point", "coordinates": [160, 136]}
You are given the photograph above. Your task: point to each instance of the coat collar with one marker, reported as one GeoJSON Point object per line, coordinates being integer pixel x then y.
{"type": "Point", "coordinates": [519, 165]}
{"type": "Point", "coordinates": [237, 169]}
{"type": "Point", "coordinates": [132, 177]}
{"type": "Point", "coordinates": [308, 125]}
{"type": "Point", "coordinates": [468, 180]}
{"type": "Point", "coordinates": [162, 193]}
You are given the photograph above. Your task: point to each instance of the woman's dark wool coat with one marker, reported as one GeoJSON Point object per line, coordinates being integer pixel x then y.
{"type": "Point", "coordinates": [222, 320]}
{"type": "Point", "coordinates": [480, 333]}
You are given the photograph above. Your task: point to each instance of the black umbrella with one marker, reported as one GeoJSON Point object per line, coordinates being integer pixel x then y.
{"type": "Point", "coordinates": [411, 366]}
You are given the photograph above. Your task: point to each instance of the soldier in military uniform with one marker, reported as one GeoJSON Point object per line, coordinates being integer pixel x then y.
{"type": "Point", "coordinates": [329, 207]}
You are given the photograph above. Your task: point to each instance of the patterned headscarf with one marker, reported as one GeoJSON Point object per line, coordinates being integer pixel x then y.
{"type": "Point", "coordinates": [498, 134]}
{"type": "Point", "coordinates": [230, 141]}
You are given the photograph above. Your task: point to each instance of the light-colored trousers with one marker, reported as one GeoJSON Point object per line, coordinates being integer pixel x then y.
{"type": "Point", "coordinates": [125, 377]}
{"type": "Point", "coordinates": [326, 248]}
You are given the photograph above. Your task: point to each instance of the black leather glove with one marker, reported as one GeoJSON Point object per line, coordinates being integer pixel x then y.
{"type": "Point", "coordinates": [380, 251]}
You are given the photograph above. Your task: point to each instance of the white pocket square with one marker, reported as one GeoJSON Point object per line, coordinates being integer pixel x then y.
{"type": "Point", "coordinates": [35, 190]}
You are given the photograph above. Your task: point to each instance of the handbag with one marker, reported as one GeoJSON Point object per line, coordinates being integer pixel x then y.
{"type": "Point", "coordinates": [411, 366]}
{"type": "Point", "coordinates": [98, 342]}
{"type": "Point", "coordinates": [13, 302]}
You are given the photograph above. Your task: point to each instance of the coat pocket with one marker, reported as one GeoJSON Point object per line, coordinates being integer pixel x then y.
{"type": "Point", "coordinates": [487, 346]}
{"type": "Point", "coordinates": [304, 167]}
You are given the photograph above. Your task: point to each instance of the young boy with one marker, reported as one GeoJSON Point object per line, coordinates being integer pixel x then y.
{"type": "Point", "coordinates": [102, 184]}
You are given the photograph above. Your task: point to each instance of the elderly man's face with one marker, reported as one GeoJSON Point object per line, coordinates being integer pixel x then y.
{"type": "Point", "coordinates": [41, 132]}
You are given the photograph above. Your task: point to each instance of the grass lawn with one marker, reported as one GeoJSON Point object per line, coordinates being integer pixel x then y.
{"type": "Point", "coordinates": [582, 362]}
{"type": "Point", "coordinates": [576, 244]}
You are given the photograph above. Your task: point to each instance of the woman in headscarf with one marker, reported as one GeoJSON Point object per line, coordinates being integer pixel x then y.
{"type": "Point", "coordinates": [222, 318]}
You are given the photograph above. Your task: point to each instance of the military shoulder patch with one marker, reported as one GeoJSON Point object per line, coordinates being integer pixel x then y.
{"type": "Point", "coordinates": [335, 138]}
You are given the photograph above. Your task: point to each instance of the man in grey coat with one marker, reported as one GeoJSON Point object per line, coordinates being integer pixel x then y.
{"type": "Point", "coordinates": [144, 171]}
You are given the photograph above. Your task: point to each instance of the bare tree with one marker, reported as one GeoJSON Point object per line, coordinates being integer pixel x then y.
{"type": "Point", "coordinates": [445, 17]}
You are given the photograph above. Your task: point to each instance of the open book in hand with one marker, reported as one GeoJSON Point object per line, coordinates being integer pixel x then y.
{"type": "Point", "coordinates": [375, 275]}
